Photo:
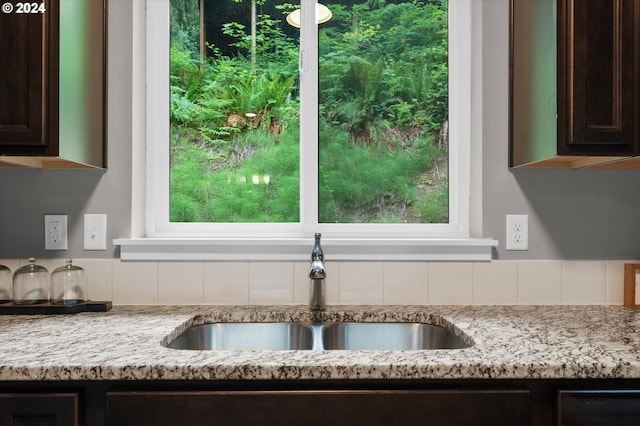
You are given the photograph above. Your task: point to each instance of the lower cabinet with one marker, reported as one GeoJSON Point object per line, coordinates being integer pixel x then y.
{"type": "Point", "coordinates": [491, 402]}
{"type": "Point", "coordinates": [33, 409]}
{"type": "Point", "coordinates": [321, 408]}
{"type": "Point", "coordinates": [599, 407]}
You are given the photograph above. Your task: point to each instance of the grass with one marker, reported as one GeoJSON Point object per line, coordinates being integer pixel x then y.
{"type": "Point", "coordinates": [375, 184]}
{"type": "Point", "coordinates": [261, 187]}
{"type": "Point", "coordinates": [255, 178]}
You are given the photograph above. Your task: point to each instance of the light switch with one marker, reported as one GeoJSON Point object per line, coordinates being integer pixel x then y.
{"type": "Point", "coordinates": [95, 231]}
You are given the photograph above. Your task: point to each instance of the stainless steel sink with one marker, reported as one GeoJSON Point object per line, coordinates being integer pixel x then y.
{"type": "Point", "coordinates": [247, 336]}
{"type": "Point", "coordinates": [389, 336]}
{"type": "Point", "coordinates": [318, 336]}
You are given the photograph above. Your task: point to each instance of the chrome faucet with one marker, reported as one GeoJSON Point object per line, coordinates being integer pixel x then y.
{"type": "Point", "coordinates": [317, 274]}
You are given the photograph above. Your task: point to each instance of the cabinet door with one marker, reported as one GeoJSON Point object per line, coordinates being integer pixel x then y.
{"type": "Point", "coordinates": [598, 77]}
{"type": "Point", "coordinates": [39, 409]}
{"type": "Point", "coordinates": [319, 408]}
{"type": "Point", "coordinates": [591, 408]}
{"type": "Point", "coordinates": [28, 81]}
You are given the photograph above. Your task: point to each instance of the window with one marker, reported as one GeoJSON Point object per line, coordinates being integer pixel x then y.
{"type": "Point", "coordinates": [352, 238]}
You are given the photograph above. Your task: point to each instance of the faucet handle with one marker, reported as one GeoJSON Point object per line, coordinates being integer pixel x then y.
{"type": "Point", "coordinates": [317, 271]}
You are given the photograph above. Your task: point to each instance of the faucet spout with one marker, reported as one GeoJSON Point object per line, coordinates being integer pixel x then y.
{"type": "Point", "coordinates": [317, 274]}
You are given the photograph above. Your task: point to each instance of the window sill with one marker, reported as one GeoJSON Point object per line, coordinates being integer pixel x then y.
{"type": "Point", "coordinates": [299, 249]}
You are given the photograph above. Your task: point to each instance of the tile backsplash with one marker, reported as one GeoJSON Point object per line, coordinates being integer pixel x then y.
{"type": "Point", "coordinates": [398, 283]}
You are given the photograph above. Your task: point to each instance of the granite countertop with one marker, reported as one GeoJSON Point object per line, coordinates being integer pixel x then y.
{"type": "Point", "coordinates": [510, 342]}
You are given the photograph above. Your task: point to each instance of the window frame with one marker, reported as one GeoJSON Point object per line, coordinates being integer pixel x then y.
{"type": "Point", "coordinates": [155, 238]}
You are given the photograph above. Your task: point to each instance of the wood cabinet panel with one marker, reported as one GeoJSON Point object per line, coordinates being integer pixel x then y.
{"type": "Point", "coordinates": [591, 408]}
{"type": "Point", "coordinates": [597, 85]}
{"type": "Point", "coordinates": [39, 409]}
{"type": "Point", "coordinates": [310, 408]}
{"type": "Point", "coordinates": [28, 81]}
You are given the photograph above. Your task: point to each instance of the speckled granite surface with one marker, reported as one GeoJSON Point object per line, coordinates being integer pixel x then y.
{"type": "Point", "coordinates": [509, 342]}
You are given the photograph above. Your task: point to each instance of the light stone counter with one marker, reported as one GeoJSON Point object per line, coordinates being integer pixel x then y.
{"type": "Point", "coordinates": [510, 342]}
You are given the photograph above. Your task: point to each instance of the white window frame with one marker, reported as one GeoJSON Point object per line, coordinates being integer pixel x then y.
{"type": "Point", "coordinates": [154, 237]}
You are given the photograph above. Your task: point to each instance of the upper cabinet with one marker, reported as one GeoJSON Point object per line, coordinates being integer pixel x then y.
{"type": "Point", "coordinates": [574, 83]}
{"type": "Point", "coordinates": [53, 84]}
{"type": "Point", "coordinates": [597, 77]}
{"type": "Point", "coordinates": [28, 46]}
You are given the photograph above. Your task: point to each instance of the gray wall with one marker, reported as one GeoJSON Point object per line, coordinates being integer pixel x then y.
{"type": "Point", "coordinates": [581, 214]}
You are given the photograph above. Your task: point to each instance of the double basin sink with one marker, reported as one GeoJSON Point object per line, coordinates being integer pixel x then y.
{"type": "Point", "coordinates": [317, 336]}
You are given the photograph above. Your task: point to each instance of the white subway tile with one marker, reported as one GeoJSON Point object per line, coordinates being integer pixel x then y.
{"type": "Point", "coordinates": [301, 285]}
{"type": "Point", "coordinates": [50, 264]}
{"type": "Point", "coordinates": [495, 283]}
{"type": "Point", "coordinates": [406, 283]}
{"type": "Point", "coordinates": [180, 283]}
{"type": "Point", "coordinates": [99, 277]}
{"type": "Point", "coordinates": [539, 282]}
{"type": "Point", "coordinates": [583, 282]}
{"type": "Point", "coordinates": [450, 283]}
{"type": "Point", "coordinates": [271, 282]}
{"type": "Point", "coordinates": [226, 282]}
{"type": "Point", "coordinates": [361, 283]}
{"type": "Point", "coordinates": [135, 282]}
{"type": "Point", "coordinates": [12, 264]}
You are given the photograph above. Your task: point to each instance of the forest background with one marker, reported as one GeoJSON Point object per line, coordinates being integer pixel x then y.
{"type": "Point", "coordinates": [383, 112]}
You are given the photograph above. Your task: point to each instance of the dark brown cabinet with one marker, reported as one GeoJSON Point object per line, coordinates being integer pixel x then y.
{"type": "Point", "coordinates": [598, 51]}
{"type": "Point", "coordinates": [480, 402]}
{"type": "Point", "coordinates": [32, 409]}
{"type": "Point", "coordinates": [53, 84]}
{"type": "Point", "coordinates": [593, 407]}
{"type": "Point", "coordinates": [589, 116]}
{"type": "Point", "coordinates": [28, 82]}
{"type": "Point", "coordinates": [319, 408]}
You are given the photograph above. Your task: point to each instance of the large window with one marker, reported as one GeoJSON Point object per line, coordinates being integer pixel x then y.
{"type": "Point", "coordinates": [268, 121]}
{"type": "Point", "coordinates": [235, 112]}
{"type": "Point", "coordinates": [382, 114]}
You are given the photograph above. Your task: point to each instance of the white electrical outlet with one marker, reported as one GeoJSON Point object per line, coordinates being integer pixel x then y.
{"type": "Point", "coordinates": [95, 231]}
{"type": "Point", "coordinates": [517, 232]}
{"type": "Point", "coordinates": [55, 232]}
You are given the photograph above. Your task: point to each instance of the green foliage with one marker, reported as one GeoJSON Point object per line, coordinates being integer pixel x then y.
{"type": "Point", "coordinates": [202, 194]}
{"type": "Point", "coordinates": [264, 94]}
{"type": "Point", "coordinates": [274, 49]}
{"type": "Point", "coordinates": [383, 96]}
{"type": "Point", "coordinates": [398, 52]}
{"type": "Point", "coordinates": [185, 24]}
{"type": "Point", "coordinates": [214, 96]}
{"type": "Point", "coordinates": [186, 82]}
{"type": "Point", "coordinates": [433, 207]}
{"type": "Point", "coordinates": [371, 184]}
{"type": "Point", "coordinates": [363, 85]}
